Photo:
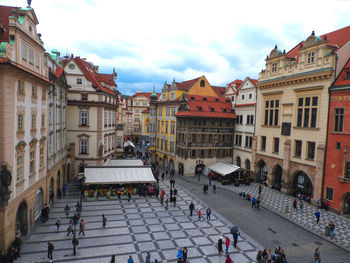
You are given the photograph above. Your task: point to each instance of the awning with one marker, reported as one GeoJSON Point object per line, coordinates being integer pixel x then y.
{"type": "Point", "coordinates": [118, 175]}
{"type": "Point", "coordinates": [129, 143]}
{"type": "Point", "coordinates": [123, 162]}
{"type": "Point", "coordinates": [223, 168]}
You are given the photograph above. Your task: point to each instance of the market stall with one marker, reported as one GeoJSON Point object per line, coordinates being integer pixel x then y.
{"type": "Point", "coordinates": [123, 162]}
{"type": "Point", "coordinates": [227, 173]}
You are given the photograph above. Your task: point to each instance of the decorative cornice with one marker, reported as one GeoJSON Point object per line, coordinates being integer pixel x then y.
{"type": "Point", "coordinates": [20, 147]}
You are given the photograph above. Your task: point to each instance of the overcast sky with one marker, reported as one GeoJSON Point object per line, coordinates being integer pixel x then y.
{"type": "Point", "coordinates": [150, 41]}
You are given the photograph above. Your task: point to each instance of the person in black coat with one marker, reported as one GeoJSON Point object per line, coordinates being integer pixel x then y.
{"type": "Point", "coordinates": [220, 245]}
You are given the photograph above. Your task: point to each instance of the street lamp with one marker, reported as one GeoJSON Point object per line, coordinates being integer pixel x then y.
{"type": "Point", "coordinates": [198, 169]}
{"type": "Point", "coordinates": [80, 207]}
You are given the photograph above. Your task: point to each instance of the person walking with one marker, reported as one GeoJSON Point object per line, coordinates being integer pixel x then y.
{"type": "Point", "coordinates": [67, 210]}
{"type": "Point", "coordinates": [258, 203]}
{"type": "Point", "coordinates": [148, 257]}
{"type": "Point", "coordinates": [113, 259]}
{"type": "Point", "coordinates": [227, 243]}
{"type": "Point", "coordinates": [82, 227]}
{"type": "Point", "coordinates": [331, 227]}
{"type": "Point", "coordinates": [301, 205]}
{"type": "Point", "coordinates": [174, 200]}
{"type": "Point", "coordinates": [70, 228]}
{"type": "Point", "coordinates": [179, 255]}
{"type": "Point", "coordinates": [166, 204]}
{"type": "Point", "coordinates": [184, 254]}
{"type": "Point", "coordinates": [64, 190]}
{"type": "Point", "coordinates": [171, 193]}
{"type": "Point", "coordinates": [220, 245]}
{"type": "Point", "coordinates": [214, 188]}
{"type": "Point", "coordinates": [191, 207]}
{"type": "Point", "coordinates": [235, 238]}
{"type": "Point", "coordinates": [104, 221]}
{"type": "Point", "coordinates": [50, 249]}
{"type": "Point", "coordinates": [175, 191]}
{"type": "Point", "coordinates": [129, 196]}
{"type": "Point", "coordinates": [253, 202]}
{"type": "Point", "coordinates": [317, 253]}
{"type": "Point", "coordinates": [208, 212]}
{"type": "Point", "coordinates": [75, 243]}
{"type": "Point", "coordinates": [130, 259]}
{"type": "Point", "coordinates": [199, 214]}
{"type": "Point", "coordinates": [228, 259]}
{"type": "Point", "coordinates": [58, 224]}
{"type": "Point", "coordinates": [162, 176]}
{"type": "Point", "coordinates": [295, 204]}
{"type": "Point", "coordinates": [317, 215]}
{"type": "Point", "coordinates": [17, 243]}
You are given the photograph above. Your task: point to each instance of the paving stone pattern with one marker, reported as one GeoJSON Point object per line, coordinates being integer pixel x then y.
{"type": "Point", "coordinates": [133, 228]}
{"type": "Point", "coordinates": [276, 202]}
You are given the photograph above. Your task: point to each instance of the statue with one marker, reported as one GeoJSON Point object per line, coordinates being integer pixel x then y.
{"type": "Point", "coordinates": [5, 180]}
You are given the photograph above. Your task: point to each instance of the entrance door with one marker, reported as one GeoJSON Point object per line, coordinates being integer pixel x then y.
{"type": "Point", "coordinates": [21, 219]}
{"type": "Point", "coordinates": [262, 172]}
{"type": "Point", "coordinates": [347, 205]}
{"type": "Point", "coordinates": [38, 204]}
{"type": "Point", "coordinates": [277, 177]}
{"type": "Point", "coordinates": [302, 184]}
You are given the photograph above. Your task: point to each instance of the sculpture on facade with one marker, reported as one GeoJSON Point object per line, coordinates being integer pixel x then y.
{"type": "Point", "coordinates": [5, 180]}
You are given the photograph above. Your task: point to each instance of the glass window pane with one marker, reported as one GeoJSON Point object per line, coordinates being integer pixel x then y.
{"type": "Point", "coordinates": [307, 101]}
{"type": "Point", "coordinates": [314, 101]}
{"type": "Point", "coordinates": [313, 118]}
{"type": "Point", "coordinates": [272, 104]}
{"type": "Point", "coordinates": [300, 102]}
{"type": "Point", "coordinates": [300, 117]}
{"type": "Point", "coordinates": [306, 117]}
{"type": "Point", "coordinates": [266, 104]}
{"type": "Point", "coordinates": [277, 103]}
{"type": "Point", "coordinates": [271, 117]}
{"type": "Point", "coordinates": [276, 118]}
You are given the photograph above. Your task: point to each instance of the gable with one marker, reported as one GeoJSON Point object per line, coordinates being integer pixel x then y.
{"type": "Point", "coordinates": [207, 90]}
{"type": "Point", "coordinates": [70, 70]}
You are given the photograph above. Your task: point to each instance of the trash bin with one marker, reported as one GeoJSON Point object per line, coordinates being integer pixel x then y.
{"type": "Point", "coordinates": [326, 231]}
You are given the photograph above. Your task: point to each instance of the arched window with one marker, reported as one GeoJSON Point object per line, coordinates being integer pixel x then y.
{"type": "Point", "coordinates": [202, 83]}
{"type": "Point", "coordinates": [238, 161]}
{"type": "Point", "coordinates": [247, 165]}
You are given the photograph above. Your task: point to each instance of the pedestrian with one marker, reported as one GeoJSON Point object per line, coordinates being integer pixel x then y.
{"type": "Point", "coordinates": [269, 256]}
{"type": "Point", "coordinates": [166, 204]}
{"type": "Point", "coordinates": [148, 257]}
{"type": "Point", "coordinates": [317, 215]}
{"type": "Point", "coordinates": [214, 188]}
{"type": "Point", "coordinates": [295, 204]}
{"type": "Point", "coordinates": [17, 243]}
{"type": "Point", "coordinates": [179, 255]}
{"type": "Point", "coordinates": [171, 193]}
{"type": "Point", "coordinates": [50, 249]}
{"type": "Point", "coordinates": [162, 198]}
{"type": "Point", "coordinates": [228, 259]}
{"type": "Point", "coordinates": [59, 192]}
{"type": "Point", "coordinates": [77, 207]}
{"type": "Point", "coordinates": [130, 259]}
{"type": "Point", "coordinates": [51, 197]}
{"type": "Point", "coordinates": [175, 191]}
{"type": "Point", "coordinates": [208, 212]}
{"type": "Point", "coordinates": [227, 243]}
{"type": "Point", "coordinates": [113, 259]}
{"type": "Point", "coordinates": [260, 188]}
{"type": "Point", "coordinates": [317, 253]}
{"type": "Point", "coordinates": [129, 196]}
{"type": "Point", "coordinates": [64, 190]}
{"type": "Point", "coordinates": [67, 210]}
{"type": "Point", "coordinates": [184, 254]}
{"type": "Point", "coordinates": [191, 207]}
{"type": "Point", "coordinates": [318, 260]}
{"type": "Point", "coordinates": [70, 228]}
{"type": "Point", "coordinates": [235, 238]}
{"type": "Point", "coordinates": [75, 243]}
{"type": "Point", "coordinates": [199, 214]}
{"type": "Point", "coordinates": [157, 192]}
{"type": "Point", "coordinates": [253, 202]}
{"type": "Point", "coordinates": [220, 245]}
{"type": "Point", "coordinates": [82, 227]}
{"type": "Point", "coordinates": [104, 221]}
{"type": "Point", "coordinates": [162, 176]}
{"type": "Point", "coordinates": [258, 203]}
{"type": "Point", "coordinates": [331, 227]}
{"type": "Point", "coordinates": [204, 188]}
{"type": "Point", "coordinates": [301, 205]}
{"type": "Point", "coordinates": [58, 224]}
{"type": "Point", "coordinates": [209, 180]}
{"type": "Point", "coordinates": [174, 200]}
{"type": "Point", "coordinates": [259, 257]}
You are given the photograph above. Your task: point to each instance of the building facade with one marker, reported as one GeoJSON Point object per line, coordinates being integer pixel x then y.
{"type": "Point", "coordinates": [23, 123]}
{"type": "Point", "coordinates": [244, 102]}
{"type": "Point", "coordinates": [292, 100]}
{"type": "Point", "coordinates": [92, 108]}
{"type": "Point", "coordinates": [337, 168]}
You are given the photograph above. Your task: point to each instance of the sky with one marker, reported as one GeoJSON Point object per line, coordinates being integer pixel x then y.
{"type": "Point", "coordinates": [149, 42]}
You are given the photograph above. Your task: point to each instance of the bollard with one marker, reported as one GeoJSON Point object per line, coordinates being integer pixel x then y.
{"type": "Point", "coordinates": [286, 209]}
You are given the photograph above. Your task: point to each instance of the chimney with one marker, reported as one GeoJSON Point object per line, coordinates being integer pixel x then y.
{"type": "Point", "coordinates": [95, 68]}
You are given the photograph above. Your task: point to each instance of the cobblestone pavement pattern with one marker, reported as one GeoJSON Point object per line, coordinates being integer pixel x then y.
{"type": "Point", "coordinates": [277, 202]}
{"type": "Point", "coordinates": [133, 228]}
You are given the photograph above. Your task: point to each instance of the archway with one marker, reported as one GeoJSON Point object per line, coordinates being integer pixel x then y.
{"type": "Point", "coordinates": [22, 219]}
{"type": "Point", "coordinates": [262, 171]}
{"type": "Point", "coordinates": [171, 166]}
{"type": "Point", "coordinates": [165, 162]}
{"type": "Point", "coordinates": [181, 169]}
{"type": "Point", "coordinates": [38, 206]}
{"type": "Point", "coordinates": [247, 165]}
{"type": "Point", "coordinates": [160, 161]}
{"type": "Point", "coordinates": [302, 184]}
{"type": "Point", "coordinates": [58, 179]}
{"type": "Point", "coordinates": [277, 177]}
{"type": "Point", "coordinates": [238, 161]}
{"type": "Point", "coordinates": [51, 188]}
{"type": "Point", "coordinates": [68, 173]}
{"type": "Point", "coordinates": [346, 204]}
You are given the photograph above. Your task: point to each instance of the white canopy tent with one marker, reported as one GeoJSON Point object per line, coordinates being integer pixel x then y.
{"type": "Point", "coordinates": [118, 175]}
{"type": "Point", "coordinates": [129, 143]}
{"type": "Point", "coordinates": [123, 162]}
{"type": "Point", "coordinates": [224, 168]}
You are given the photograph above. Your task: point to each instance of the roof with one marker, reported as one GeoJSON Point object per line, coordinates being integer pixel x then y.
{"type": "Point", "coordinates": [238, 83]}
{"type": "Point", "coordinates": [107, 78]}
{"type": "Point", "coordinates": [219, 90]}
{"type": "Point", "coordinates": [118, 175]}
{"type": "Point", "coordinates": [142, 94]}
{"type": "Point", "coordinates": [254, 81]}
{"type": "Point", "coordinates": [186, 85]}
{"type": "Point", "coordinates": [224, 168]}
{"type": "Point", "coordinates": [341, 79]}
{"type": "Point", "coordinates": [5, 12]}
{"type": "Point", "coordinates": [337, 39]}
{"type": "Point", "coordinates": [92, 76]}
{"type": "Point", "coordinates": [145, 110]}
{"type": "Point", "coordinates": [207, 106]}
{"type": "Point", "coordinates": [123, 162]}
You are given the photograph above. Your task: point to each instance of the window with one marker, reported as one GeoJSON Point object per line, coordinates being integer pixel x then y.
{"type": "Point", "coordinates": [79, 81]}
{"type": "Point", "coordinates": [172, 95]}
{"type": "Point", "coordinates": [136, 103]}
{"type": "Point", "coordinates": [242, 97]}
{"type": "Point", "coordinates": [31, 56]}
{"type": "Point", "coordinates": [202, 83]}
{"type": "Point", "coordinates": [42, 121]}
{"type": "Point", "coordinates": [238, 140]}
{"type": "Point", "coordinates": [338, 119]}
{"type": "Point", "coordinates": [310, 57]}
{"type": "Point", "coordinates": [163, 96]}
{"type": "Point", "coordinates": [37, 60]}
{"type": "Point", "coordinates": [298, 147]}
{"type": "Point", "coordinates": [307, 112]}
{"type": "Point", "coordinates": [32, 161]}
{"type": "Point", "coordinates": [173, 111]}
{"type": "Point", "coordinates": [172, 127]}
{"type": "Point", "coordinates": [274, 67]}
{"type": "Point", "coordinates": [34, 91]}
{"type": "Point", "coordinates": [263, 143]}
{"type": "Point", "coordinates": [21, 89]}
{"type": "Point", "coordinates": [83, 146]}
{"type": "Point", "coordinates": [239, 119]}
{"type": "Point", "coordinates": [33, 121]}
{"type": "Point", "coordinates": [250, 119]}
{"type": "Point", "coordinates": [250, 96]}
{"type": "Point", "coordinates": [20, 122]}
{"type": "Point", "coordinates": [158, 126]}
{"type": "Point", "coordinates": [337, 145]}
{"type": "Point", "coordinates": [24, 51]}
{"type": "Point", "coordinates": [19, 166]}
{"type": "Point", "coordinates": [311, 150]}
{"type": "Point", "coordinates": [347, 76]}
{"type": "Point", "coordinates": [329, 193]}
{"type": "Point", "coordinates": [276, 144]}
{"type": "Point", "coordinates": [41, 157]}
{"type": "Point", "coordinates": [144, 103]}
{"type": "Point", "coordinates": [137, 119]}
{"type": "Point", "coordinates": [105, 118]}
{"type": "Point", "coordinates": [84, 97]}
{"type": "Point", "coordinates": [43, 94]}
{"type": "Point", "coordinates": [248, 141]}
{"type": "Point", "coordinates": [271, 112]}
{"type": "Point", "coordinates": [167, 111]}
{"type": "Point", "coordinates": [172, 147]}
{"type": "Point", "coordinates": [347, 169]}
{"type": "Point", "coordinates": [166, 127]}
{"type": "Point", "coordinates": [84, 118]}
{"type": "Point", "coordinates": [160, 111]}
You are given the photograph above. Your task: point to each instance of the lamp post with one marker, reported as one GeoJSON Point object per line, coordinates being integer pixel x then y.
{"type": "Point", "coordinates": [198, 169]}
{"type": "Point", "coordinates": [80, 208]}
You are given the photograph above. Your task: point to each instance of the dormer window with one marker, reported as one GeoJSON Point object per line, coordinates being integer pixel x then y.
{"type": "Point", "coordinates": [224, 110]}
{"type": "Point", "coordinates": [79, 81]}
{"type": "Point", "coordinates": [84, 97]}
{"type": "Point", "coordinates": [347, 76]}
{"type": "Point", "coordinates": [310, 57]}
{"type": "Point", "coordinates": [216, 100]}
{"type": "Point", "coordinates": [202, 83]}
{"type": "Point", "coordinates": [274, 67]}
{"type": "Point", "coordinates": [204, 99]}
{"type": "Point", "coordinates": [199, 108]}
{"type": "Point", "coordinates": [172, 95]}
{"type": "Point", "coordinates": [192, 98]}
{"type": "Point", "coordinates": [212, 109]}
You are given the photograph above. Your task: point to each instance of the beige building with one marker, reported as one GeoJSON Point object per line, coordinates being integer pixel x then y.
{"type": "Point", "coordinates": [23, 123]}
{"type": "Point", "coordinates": [291, 115]}
{"type": "Point", "coordinates": [92, 109]}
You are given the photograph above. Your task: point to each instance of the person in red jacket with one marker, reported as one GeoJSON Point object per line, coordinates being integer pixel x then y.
{"type": "Point", "coordinates": [228, 259]}
{"type": "Point", "coordinates": [199, 214]}
{"type": "Point", "coordinates": [227, 243]}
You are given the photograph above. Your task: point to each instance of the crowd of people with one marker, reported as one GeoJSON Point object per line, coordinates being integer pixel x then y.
{"type": "Point", "coordinates": [268, 256]}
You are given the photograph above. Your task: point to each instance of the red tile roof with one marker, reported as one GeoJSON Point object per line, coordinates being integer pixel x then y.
{"type": "Point", "coordinates": [145, 110]}
{"type": "Point", "coordinates": [238, 83]}
{"type": "Point", "coordinates": [92, 76]}
{"type": "Point", "coordinates": [337, 39]}
{"type": "Point", "coordinates": [4, 60]}
{"type": "Point", "coordinates": [5, 12]}
{"type": "Point", "coordinates": [186, 85]}
{"type": "Point", "coordinates": [107, 78]}
{"type": "Point", "coordinates": [341, 79]}
{"type": "Point", "coordinates": [200, 106]}
{"type": "Point", "coordinates": [142, 94]}
{"type": "Point", "coordinates": [254, 81]}
{"type": "Point", "coordinates": [219, 90]}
